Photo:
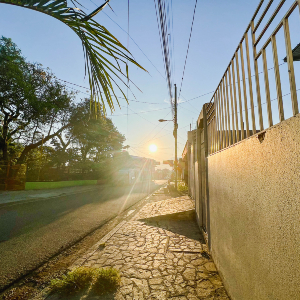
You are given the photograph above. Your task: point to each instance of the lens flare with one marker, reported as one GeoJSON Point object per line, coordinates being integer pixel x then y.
{"type": "Point", "coordinates": [152, 148]}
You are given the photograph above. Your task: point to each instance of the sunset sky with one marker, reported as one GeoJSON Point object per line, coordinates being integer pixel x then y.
{"type": "Point", "coordinates": [218, 28]}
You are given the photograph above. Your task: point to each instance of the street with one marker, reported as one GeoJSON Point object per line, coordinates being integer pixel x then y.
{"type": "Point", "coordinates": [32, 233]}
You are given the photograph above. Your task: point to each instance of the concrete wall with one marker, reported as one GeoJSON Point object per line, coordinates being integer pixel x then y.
{"type": "Point", "coordinates": [255, 214]}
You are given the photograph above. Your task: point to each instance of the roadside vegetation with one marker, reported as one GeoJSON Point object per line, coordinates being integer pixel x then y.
{"type": "Point", "coordinates": [182, 187]}
{"type": "Point", "coordinates": [97, 281]}
{"type": "Point", "coordinates": [44, 128]}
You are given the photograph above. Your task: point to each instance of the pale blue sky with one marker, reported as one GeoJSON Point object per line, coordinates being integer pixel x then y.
{"type": "Point", "coordinates": [218, 28]}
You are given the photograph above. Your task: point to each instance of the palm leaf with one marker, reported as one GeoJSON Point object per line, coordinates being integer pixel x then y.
{"type": "Point", "coordinates": [97, 42]}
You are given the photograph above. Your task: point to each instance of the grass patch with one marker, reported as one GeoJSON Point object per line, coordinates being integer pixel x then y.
{"type": "Point", "coordinates": [81, 279]}
{"type": "Point", "coordinates": [107, 280]}
{"type": "Point", "coordinates": [73, 282]}
{"type": "Point", "coordinates": [182, 187]}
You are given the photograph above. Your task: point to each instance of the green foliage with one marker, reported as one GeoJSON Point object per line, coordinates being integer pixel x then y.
{"type": "Point", "coordinates": [32, 102]}
{"type": "Point", "coordinates": [94, 143]}
{"type": "Point", "coordinates": [182, 187]}
{"type": "Point", "coordinates": [73, 282]}
{"type": "Point", "coordinates": [43, 127]}
{"type": "Point", "coordinates": [104, 54]}
{"type": "Point", "coordinates": [101, 280]}
{"type": "Point", "coordinates": [107, 280]}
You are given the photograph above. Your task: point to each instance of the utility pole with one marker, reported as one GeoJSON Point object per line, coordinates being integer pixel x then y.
{"type": "Point", "coordinates": [175, 136]}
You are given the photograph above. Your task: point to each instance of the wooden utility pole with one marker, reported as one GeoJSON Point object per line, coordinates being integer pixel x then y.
{"type": "Point", "coordinates": [175, 136]}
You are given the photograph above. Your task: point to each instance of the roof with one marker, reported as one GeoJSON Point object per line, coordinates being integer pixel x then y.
{"type": "Point", "coordinates": [296, 54]}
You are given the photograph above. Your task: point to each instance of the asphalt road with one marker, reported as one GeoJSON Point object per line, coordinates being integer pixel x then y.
{"type": "Point", "coordinates": [31, 233]}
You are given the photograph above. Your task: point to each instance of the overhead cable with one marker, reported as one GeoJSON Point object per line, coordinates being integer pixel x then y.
{"type": "Point", "coordinates": [163, 21]}
{"type": "Point", "coordinates": [132, 40]}
{"type": "Point", "coordinates": [187, 52]}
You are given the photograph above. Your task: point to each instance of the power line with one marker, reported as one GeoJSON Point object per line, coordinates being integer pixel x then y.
{"type": "Point", "coordinates": [87, 89]}
{"type": "Point", "coordinates": [154, 129]}
{"type": "Point", "coordinates": [68, 82]}
{"type": "Point", "coordinates": [150, 121]}
{"type": "Point", "coordinates": [135, 113]}
{"type": "Point", "coordinates": [227, 86]}
{"type": "Point", "coordinates": [128, 84]}
{"type": "Point", "coordinates": [131, 39]}
{"type": "Point", "coordinates": [156, 138]}
{"type": "Point", "coordinates": [162, 16]}
{"type": "Point", "coordinates": [187, 52]}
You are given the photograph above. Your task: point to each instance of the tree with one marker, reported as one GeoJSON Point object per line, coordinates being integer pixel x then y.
{"type": "Point", "coordinates": [105, 57]}
{"type": "Point", "coordinates": [34, 106]}
{"type": "Point", "coordinates": [95, 140]}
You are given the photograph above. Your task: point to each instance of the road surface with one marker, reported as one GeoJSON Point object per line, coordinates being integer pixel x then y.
{"type": "Point", "coordinates": [31, 233]}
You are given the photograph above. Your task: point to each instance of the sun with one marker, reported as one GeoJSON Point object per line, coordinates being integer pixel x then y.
{"type": "Point", "coordinates": [152, 148]}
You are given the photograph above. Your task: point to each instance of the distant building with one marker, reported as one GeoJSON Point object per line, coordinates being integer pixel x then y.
{"type": "Point", "coordinates": [136, 169]}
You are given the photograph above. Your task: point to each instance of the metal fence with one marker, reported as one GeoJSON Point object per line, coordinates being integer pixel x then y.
{"type": "Point", "coordinates": [231, 114]}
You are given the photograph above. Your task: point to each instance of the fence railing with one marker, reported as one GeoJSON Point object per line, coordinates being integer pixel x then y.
{"type": "Point", "coordinates": [231, 114]}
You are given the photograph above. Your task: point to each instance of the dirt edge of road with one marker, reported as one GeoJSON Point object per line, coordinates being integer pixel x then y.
{"type": "Point", "coordinates": [31, 284]}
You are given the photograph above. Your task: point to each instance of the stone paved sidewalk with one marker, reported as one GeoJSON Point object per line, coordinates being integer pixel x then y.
{"type": "Point", "coordinates": [161, 255]}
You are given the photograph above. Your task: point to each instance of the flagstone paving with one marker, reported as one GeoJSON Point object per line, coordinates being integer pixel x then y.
{"type": "Point", "coordinates": [161, 255]}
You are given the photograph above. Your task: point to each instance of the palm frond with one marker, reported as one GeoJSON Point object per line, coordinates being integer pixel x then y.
{"type": "Point", "coordinates": [100, 47]}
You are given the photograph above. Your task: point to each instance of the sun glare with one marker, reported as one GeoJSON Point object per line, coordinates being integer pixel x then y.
{"type": "Point", "coordinates": [152, 148]}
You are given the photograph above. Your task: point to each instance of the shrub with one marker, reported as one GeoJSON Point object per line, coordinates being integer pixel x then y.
{"type": "Point", "coordinates": [102, 281]}
{"type": "Point", "coordinates": [73, 282]}
{"type": "Point", "coordinates": [107, 280]}
{"type": "Point", "coordinates": [182, 187]}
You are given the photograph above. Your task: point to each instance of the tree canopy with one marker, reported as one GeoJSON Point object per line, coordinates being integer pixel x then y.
{"type": "Point", "coordinates": [43, 126]}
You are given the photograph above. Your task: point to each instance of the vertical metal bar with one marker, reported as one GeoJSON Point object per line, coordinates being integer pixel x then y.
{"type": "Point", "coordinates": [228, 112]}
{"type": "Point", "coordinates": [250, 85]}
{"type": "Point", "coordinates": [235, 104]}
{"type": "Point", "coordinates": [240, 95]}
{"type": "Point", "coordinates": [225, 140]}
{"type": "Point", "coordinates": [218, 120]}
{"type": "Point", "coordinates": [260, 115]}
{"type": "Point", "coordinates": [225, 113]}
{"type": "Point", "coordinates": [215, 124]}
{"type": "Point", "coordinates": [215, 130]}
{"type": "Point", "coordinates": [232, 109]}
{"type": "Point", "coordinates": [215, 115]}
{"type": "Point", "coordinates": [211, 133]}
{"type": "Point", "coordinates": [244, 89]}
{"type": "Point", "coordinates": [267, 87]}
{"type": "Point", "coordinates": [277, 79]}
{"type": "Point", "coordinates": [222, 118]}
{"type": "Point", "coordinates": [289, 56]}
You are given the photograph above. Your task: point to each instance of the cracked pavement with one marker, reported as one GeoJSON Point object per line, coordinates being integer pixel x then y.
{"type": "Point", "coordinates": [160, 254]}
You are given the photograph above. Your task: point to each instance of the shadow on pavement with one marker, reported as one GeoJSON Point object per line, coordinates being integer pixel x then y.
{"type": "Point", "coordinates": [182, 223]}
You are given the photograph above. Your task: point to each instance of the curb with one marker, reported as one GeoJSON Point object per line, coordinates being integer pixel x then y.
{"type": "Point", "coordinates": [79, 262]}
{"type": "Point", "coordinates": [45, 293]}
